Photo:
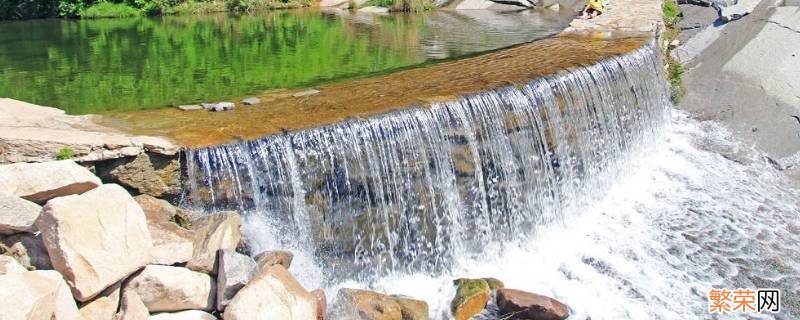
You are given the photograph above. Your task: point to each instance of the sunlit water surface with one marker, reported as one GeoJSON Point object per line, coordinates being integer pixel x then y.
{"type": "Point", "coordinates": [93, 66]}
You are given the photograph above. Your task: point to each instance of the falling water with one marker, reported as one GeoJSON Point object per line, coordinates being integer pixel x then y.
{"type": "Point", "coordinates": [417, 189]}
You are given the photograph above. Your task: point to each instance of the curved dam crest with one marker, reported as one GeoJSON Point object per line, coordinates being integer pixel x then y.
{"type": "Point", "coordinates": [418, 189]}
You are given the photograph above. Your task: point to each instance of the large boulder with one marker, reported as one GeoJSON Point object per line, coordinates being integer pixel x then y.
{"type": "Point", "coordinates": [267, 259]}
{"type": "Point", "coordinates": [9, 265]}
{"type": "Point", "coordinates": [517, 304]}
{"type": "Point", "coordinates": [471, 298]}
{"type": "Point", "coordinates": [39, 182]}
{"type": "Point", "coordinates": [369, 305]}
{"type": "Point", "coordinates": [39, 295]}
{"type": "Point", "coordinates": [214, 232]}
{"type": "Point", "coordinates": [131, 307]}
{"type": "Point", "coordinates": [234, 271]}
{"type": "Point", "coordinates": [151, 174]}
{"type": "Point", "coordinates": [272, 294]}
{"type": "Point", "coordinates": [95, 239]}
{"type": "Point", "coordinates": [29, 250]}
{"type": "Point", "coordinates": [166, 288]}
{"type": "Point", "coordinates": [184, 315]}
{"type": "Point", "coordinates": [17, 214]}
{"type": "Point", "coordinates": [104, 306]}
{"type": "Point", "coordinates": [171, 243]}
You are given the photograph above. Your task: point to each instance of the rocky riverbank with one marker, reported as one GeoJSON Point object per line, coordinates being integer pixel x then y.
{"type": "Point", "coordinates": [73, 247]}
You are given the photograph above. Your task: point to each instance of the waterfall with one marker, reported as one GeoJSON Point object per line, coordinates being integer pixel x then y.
{"type": "Point", "coordinates": [416, 189]}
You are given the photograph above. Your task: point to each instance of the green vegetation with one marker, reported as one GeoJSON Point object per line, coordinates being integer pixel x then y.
{"type": "Point", "coordinates": [28, 9]}
{"type": "Point", "coordinates": [109, 10]}
{"type": "Point", "coordinates": [403, 5]}
{"type": "Point", "coordinates": [65, 154]}
{"type": "Point", "coordinates": [672, 16]}
{"type": "Point", "coordinates": [100, 65]}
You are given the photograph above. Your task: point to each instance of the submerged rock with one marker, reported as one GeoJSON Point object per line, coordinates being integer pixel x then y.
{"type": "Point", "coordinates": [251, 101]}
{"type": "Point", "coordinates": [36, 295]}
{"type": "Point", "coordinates": [151, 174]}
{"type": "Point", "coordinates": [95, 239]}
{"type": "Point", "coordinates": [517, 304]}
{"type": "Point", "coordinates": [278, 257]}
{"type": "Point", "coordinates": [214, 232]}
{"type": "Point", "coordinates": [39, 182]}
{"type": "Point", "coordinates": [29, 250]}
{"type": "Point", "coordinates": [234, 271]}
{"type": "Point", "coordinates": [471, 298]}
{"type": "Point", "coordinates": [370, 305]}
{"type": "Point", "coordinates": [17, 214]}
{"type": "Point", "coordinates": [166, 288]}
{"type": "Point", "coordinates": [272, 294]}
{"type": "Point", "coordinates": [306, 93]}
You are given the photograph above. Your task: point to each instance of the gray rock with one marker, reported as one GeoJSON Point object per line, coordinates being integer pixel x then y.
{"type": "Point", "coordinates": [312, 92]}
{"type": "Point", "coordinates": [29, 250]}
{"type": "Point", "coordinates": [270, 258]}
{"type": "Point", "coordinates": [234, 271]}
{"type": "Point", "coordinates": [17, 214]}
{"type": "Point", "coordinates": [251, 101]}
{"type": "Point", "coordinates": [171, 243]}
{"type": "Point", "coordinates": [190, 107]}
{"type": "Point", "coordinates": [150, 174]}
{"type": "Point", "coordinates": [223, 106]}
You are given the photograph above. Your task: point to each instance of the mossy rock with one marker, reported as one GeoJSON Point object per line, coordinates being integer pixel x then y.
{"type": "Point", "coordinates": [494, 283]}
{"type": "Point", "coordinates": [471, 298]}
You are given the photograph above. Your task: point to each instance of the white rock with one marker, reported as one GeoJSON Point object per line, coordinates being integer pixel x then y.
{"type": "Point", "coordinates": [17, 214]}
{"type": "Point", "coordinates": [272, 294]}
{"type": "Point", "coordinates": [131, 307]}
{"type": "Point", "coordinates": [214, 232]}
{"type": "Point", "coordinates": [234, 270]}
{"type": "Point", "coordinates": [374, 10]}
{"type": "Point", "coordinates": [104, 306]}
{"type": "Point", "coordinates": [39, 295]}
{"type": "Point", "coordinates": [166, 288]}
{"type": "Point", "coordinates": [39, 182]}
{"type": "Point", "coordinates": [9, 265]}
{"type": "Point", "coordinates": [95, 239]}
{"type": "Point", "coordinates": [184, 315]}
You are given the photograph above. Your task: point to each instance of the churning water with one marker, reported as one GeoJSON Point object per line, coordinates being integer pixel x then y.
{"type": "Point", "coordinates": [582, 186]}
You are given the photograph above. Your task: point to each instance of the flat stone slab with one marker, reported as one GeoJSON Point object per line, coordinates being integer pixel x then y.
{"type": "Point", "coordinates": [190, 107]}
{"type": "Point", "coordinates": [251, 101]}
{"type": "Point", "coordinates": [32, 133]}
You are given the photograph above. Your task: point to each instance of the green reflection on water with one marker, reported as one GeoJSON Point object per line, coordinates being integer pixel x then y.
{"type": "Point", "coordinates": [95, 66]}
